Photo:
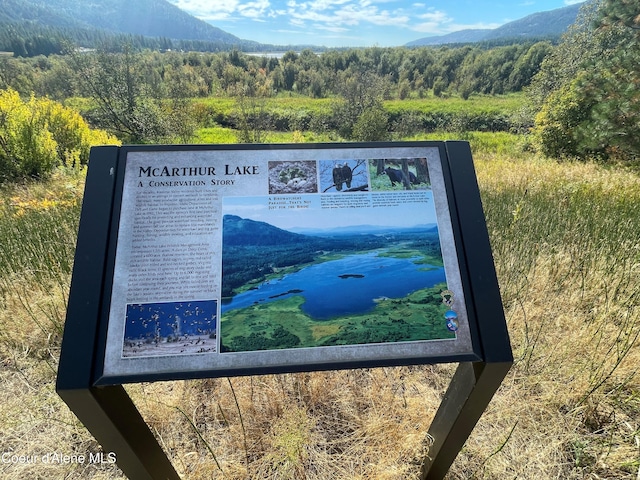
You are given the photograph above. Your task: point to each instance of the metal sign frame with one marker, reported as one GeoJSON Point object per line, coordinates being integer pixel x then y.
{"type": "Point", "coordinates": [104, 407]}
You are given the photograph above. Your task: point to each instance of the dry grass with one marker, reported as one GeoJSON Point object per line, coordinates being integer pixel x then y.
{"type": "Point", "coordinates": [566, 241]}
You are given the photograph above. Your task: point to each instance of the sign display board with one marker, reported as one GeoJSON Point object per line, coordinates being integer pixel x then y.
{"type": "Point", "coordinates": [222, 260]}
{"type": "Point", "coordinates": [283, 258]}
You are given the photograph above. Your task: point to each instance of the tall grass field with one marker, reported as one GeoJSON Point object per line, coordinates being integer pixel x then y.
{"type": "Point", "coordinates": [566, 242]}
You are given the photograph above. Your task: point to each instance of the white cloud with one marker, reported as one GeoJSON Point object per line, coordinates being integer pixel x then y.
{"type": "Point", "coordinates": [334, 18]}
{"type": "Point", "coordinates": [256, 10]}
{"type": "Point", "coordinates": [322, 5]}
{"type": "Point", "coordinates": [328, 28]}
{"type": "Point", "coordinates": [208, 9]}
{"type": "Point", "coordinates": [572, 2]}
{"type": "Point", "coordinates": [437, 22]}
{"type": "Point", "coordinates": [386, 18]}
{"type": "Point", "coordinates": [333, 15]}
{"type": "Point", "coordinates": [293, 32]}
{"type": "Point", "coordinates": [297, 22]}
{"type": "Point", "coordinates": [435, 16]}
{"type": "Point", "coordinates": [427, 27]}
{"type": "Point", "coordinates": [433, 21]}
{"type": "Point", "coordinates": [381, 1]}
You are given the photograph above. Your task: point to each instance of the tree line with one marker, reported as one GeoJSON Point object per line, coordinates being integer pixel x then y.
{"type": "Point", "coordinates": [443, 70]}
{"type": "Point", "coordinates": [144, 95]}
{"type": "Point", "coordinates": [30, 39]}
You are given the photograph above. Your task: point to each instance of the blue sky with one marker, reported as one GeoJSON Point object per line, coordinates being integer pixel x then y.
{"type": "Point", "coordinates": [256, 208]}
{"type": "Point", "coordinates": [340, 23]}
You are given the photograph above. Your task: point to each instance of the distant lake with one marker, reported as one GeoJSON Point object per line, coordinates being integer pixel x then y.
{"type": "Point", "coordinates": [346, 286]}
{"type": "Point", "coordinates": [277, 55]}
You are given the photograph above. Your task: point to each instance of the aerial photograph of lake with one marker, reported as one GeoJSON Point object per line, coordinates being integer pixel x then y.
{"type": "Point", "coordinates": [312, 277]}
{"type": "Point", "coordinates": [349, 285]}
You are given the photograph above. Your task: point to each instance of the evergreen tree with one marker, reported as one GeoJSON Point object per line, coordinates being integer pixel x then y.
{"type": "Point", "coordinates": [589, 89]}
{"type": "Point", "coordinates": [613, 83]}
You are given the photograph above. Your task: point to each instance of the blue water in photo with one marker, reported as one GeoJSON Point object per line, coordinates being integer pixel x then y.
{"type": "Point", "coordinates": [367, 277]}
{"type": "Point", "coordinates": [170, 318]}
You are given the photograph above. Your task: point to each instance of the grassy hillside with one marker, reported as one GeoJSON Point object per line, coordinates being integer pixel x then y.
{"type": "Point", "coordinates": [566, 240]}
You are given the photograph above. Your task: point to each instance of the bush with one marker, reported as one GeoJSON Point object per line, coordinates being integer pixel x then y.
{"type": "Point", "coordinates": [371, 125]}
{"type": "Point", "coordinates": [558, 122]}
{"type": "Point", "coordinates": [37, 135]}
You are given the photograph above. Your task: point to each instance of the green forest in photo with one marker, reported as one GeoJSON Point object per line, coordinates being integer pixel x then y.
{"type": "Point", "coordinates": [553, 126]}
{"type": "Point", "coordinates": [281, 324]}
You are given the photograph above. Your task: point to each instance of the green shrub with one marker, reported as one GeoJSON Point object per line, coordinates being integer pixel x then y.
{"type": "Point", "coordinates": [39, 134]}
{"type": "Point", "coordinates": [371, 125]}
{"type": "Point", "coordinates": [558, 122]}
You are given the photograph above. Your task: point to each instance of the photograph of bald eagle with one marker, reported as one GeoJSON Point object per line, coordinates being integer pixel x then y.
{"type": "Point", "coordinates": [343, 176]}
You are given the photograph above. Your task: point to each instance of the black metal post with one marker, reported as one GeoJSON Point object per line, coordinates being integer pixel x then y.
{"type": "Point", "coordinates": [469, 393]}
{"type": "Point", "coordinates": [114, 421]}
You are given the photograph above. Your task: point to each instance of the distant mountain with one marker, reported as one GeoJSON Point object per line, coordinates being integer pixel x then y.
{"type": "Point", "coordinates": [461, 36]}
{"type": "Point", "coordinates": [19, 11]}
{"type": "Point", "coordinates": [88, 21]}
{"type": "Point", "coordinates": [364, 230]}
{"type": "Point", "coordinates": [252, 249]}
{"type": "Point", "coordinates": [550, 24]}
{"type": "Point", "coordinates": [239, 231]}
{"type": "Point", "coordinates": [151, 18]}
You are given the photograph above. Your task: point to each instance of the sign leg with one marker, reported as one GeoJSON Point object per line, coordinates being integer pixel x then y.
{"type": "Point", "coordinates": [469, 393]}
{"type": "Point", "coordinates": [113, 419]}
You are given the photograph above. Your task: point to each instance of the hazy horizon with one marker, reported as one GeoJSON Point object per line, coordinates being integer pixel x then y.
{"type": "Point", "coordinates": [357, 23]}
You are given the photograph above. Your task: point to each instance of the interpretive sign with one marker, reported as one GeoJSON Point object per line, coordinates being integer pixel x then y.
{"type": "Point", "coordinates": [237, 260]}
{"type": "Point", "coordinates": [205, 261]}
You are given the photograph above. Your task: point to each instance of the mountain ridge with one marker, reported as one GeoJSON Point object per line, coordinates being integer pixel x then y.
{"type": "Point", "coordinates": [547, 24]}
{"type": "Point", "coordinates": [243, 231]}
{"type": "Point", "coordinates": [161, 19]}
{"type": "Point", "coordinates": [361, 229]}
{"type": "Point", "coordinates": [151, 18]}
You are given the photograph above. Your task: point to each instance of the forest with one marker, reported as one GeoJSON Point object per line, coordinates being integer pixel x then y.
{"type": "Point", "coordinates": [143, 96]}
{"type": "Point", "coordinates": [454, 69]}
{"type": "Point", "coordinates": [32, 40]}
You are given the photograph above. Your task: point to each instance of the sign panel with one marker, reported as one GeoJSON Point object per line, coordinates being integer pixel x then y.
{"type": "Point", "coordinates": [282, 258]}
